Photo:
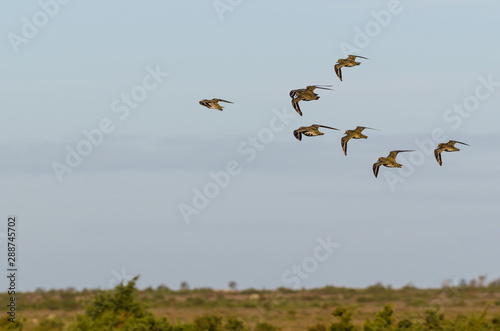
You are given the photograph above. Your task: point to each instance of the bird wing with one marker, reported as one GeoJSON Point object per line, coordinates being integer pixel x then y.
{"type": "Point", "coordinates": [337, 68]}
{"type": "Point", "coordinates": [361, 128]}
{"type": "Point", "coordinates": [324, 126]}
{"type": "Point", "coordinates": [394, 153]}
{"type": "Point", "coordinates": [205, 103]}
{"type": "Point", "coordinates": [343, 142]}
{"type": "Point", "coordinates": [457, 142]}
{"type": "Point", "coordinates": [323, 87]}
{"type": "Point", "coordinates": [375, 167]}
{"type": "Point", "coordinates": [298, 134]}
{"type": "Point", "coordinates": [353, 57]}
{"type": "Point", "coordinates": [223, 100]}
{"type": "Point", "coordinates": [295, 104]}
{"type": "Point", "coordinates": [437, 154]}
{"type": "Point", "coordinates": [293, 93]}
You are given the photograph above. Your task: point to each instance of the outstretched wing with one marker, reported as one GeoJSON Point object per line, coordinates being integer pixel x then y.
{"type": "Point", "coordinates": [457, 142]}
{"type": "Point", "coordinates": [324, 126]}
{"type": "Point", "coordinates": [393, 154]}
{"type": "Point", "coordinates": [223, 100]}
{"type": "Point", "coordinates": [343, 142]}
{"type": "Point", "coordinates": [295, 104]}
{"type": "Point", "coordinates": [337, 68]}
{"type": "Point", "coordinates": [437, 154]}
{"type": "Point", "coordinates": [361, 128]}
{"type": "Point", "coordinates": [205, 103]}
{"type": "Point", "coordinates": [293, 93]}
{"type": "Point", "coordinates": [376, 166]}
{"type": "Point", "coordinates": [298, 134]}
{"type": "Point", "coordinates": [353, 57]}
{"type": "Point", "coordinates": [323, 87]}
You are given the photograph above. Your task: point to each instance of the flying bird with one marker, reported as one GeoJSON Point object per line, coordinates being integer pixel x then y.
{"type": "Point", "coordinates": [446, 147]}
{"type": "Point", "coordinates": [389, 161]}
{"type": "Point", "coordinates": [306, 94]}
{"type": "Point", "coordinates": [353, 134]}
{"type": "Point", "coordinates": [213, 104]}
{"type": "Point", "coordinates": [310, 131]}
{"type": "Point", "coordinates": [349, 62]}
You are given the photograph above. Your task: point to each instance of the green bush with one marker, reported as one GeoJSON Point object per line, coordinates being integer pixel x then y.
{"type": "Point", "coordinates": [405, 324]}
{"type": "Point", "coordinates": [118, 310]}
{"type": "Point", "coordinates": [433, 320]}
{"type": "Point", "coordinates": [383, 321]}
{"type": "Point", "coordinates": [234, 324]}
{"type": "Point", "coordinates": [5, 324]}
{"type": "Point", "coordinates": [344, 315]}
{"type": "Point", "coordinates": [208, 323]}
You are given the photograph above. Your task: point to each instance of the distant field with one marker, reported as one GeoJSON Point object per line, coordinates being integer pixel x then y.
{"type": "Point", "coordinates": [283, 308]}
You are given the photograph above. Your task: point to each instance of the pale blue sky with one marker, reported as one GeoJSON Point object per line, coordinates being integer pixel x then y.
{"type": "Point", "coordinates": [119, 209]}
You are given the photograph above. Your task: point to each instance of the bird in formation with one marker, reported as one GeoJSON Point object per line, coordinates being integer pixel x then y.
{"type": "Point", "coordinates": [349, 62]}
{"type": "Point", "coordinates": [446, 147]}
{"type": "Point", "coordinates": [306, 94]}
{"type": "Point", "coordinates": [213, 104]}
{"type": "Point", "coordinates": [310, 131]}
{"type": "Point", "coordinates": [389, 161]}
{"type": "Point", "coordinates": [353, 134]}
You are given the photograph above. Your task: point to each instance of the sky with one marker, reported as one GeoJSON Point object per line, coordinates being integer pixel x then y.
{"type": "Point", "coordinates": [113, 169]}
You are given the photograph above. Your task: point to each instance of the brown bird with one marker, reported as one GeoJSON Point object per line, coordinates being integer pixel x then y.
{"type": "Point", "coordinates": [310, 131]}
{"type": "Point", "coordinates": [349, 62]}
{"type": "Point", "coordinates": [353, 134]}
{"type": "Point", "coordinates": [447, 147]}
{"type": "Point", "coordinates": [306, 94]}
{"type": "Point", "coordinates": [213, 104]}
{"type": "Point", "coordinates": [389, 161]}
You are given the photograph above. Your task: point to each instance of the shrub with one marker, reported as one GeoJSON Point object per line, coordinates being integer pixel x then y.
{"type": "Point", "coordinates": [383, 321]}
{"type": "Point", "coordinates": [344, 314]}
{"type": "Point", "coordinates": [234, 324]}
{"type": "Point", "coordinates": [208, 323]}
{"type": "Point", "coordinates": [5, 324]}
{"type": "Point", "coordinates": [433, 320]}
{"type": "Point", "coordinates": [118, 309]}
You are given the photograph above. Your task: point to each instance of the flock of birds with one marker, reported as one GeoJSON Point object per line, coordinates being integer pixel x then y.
{"type": "Point", "coordinates": [308, 94]}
